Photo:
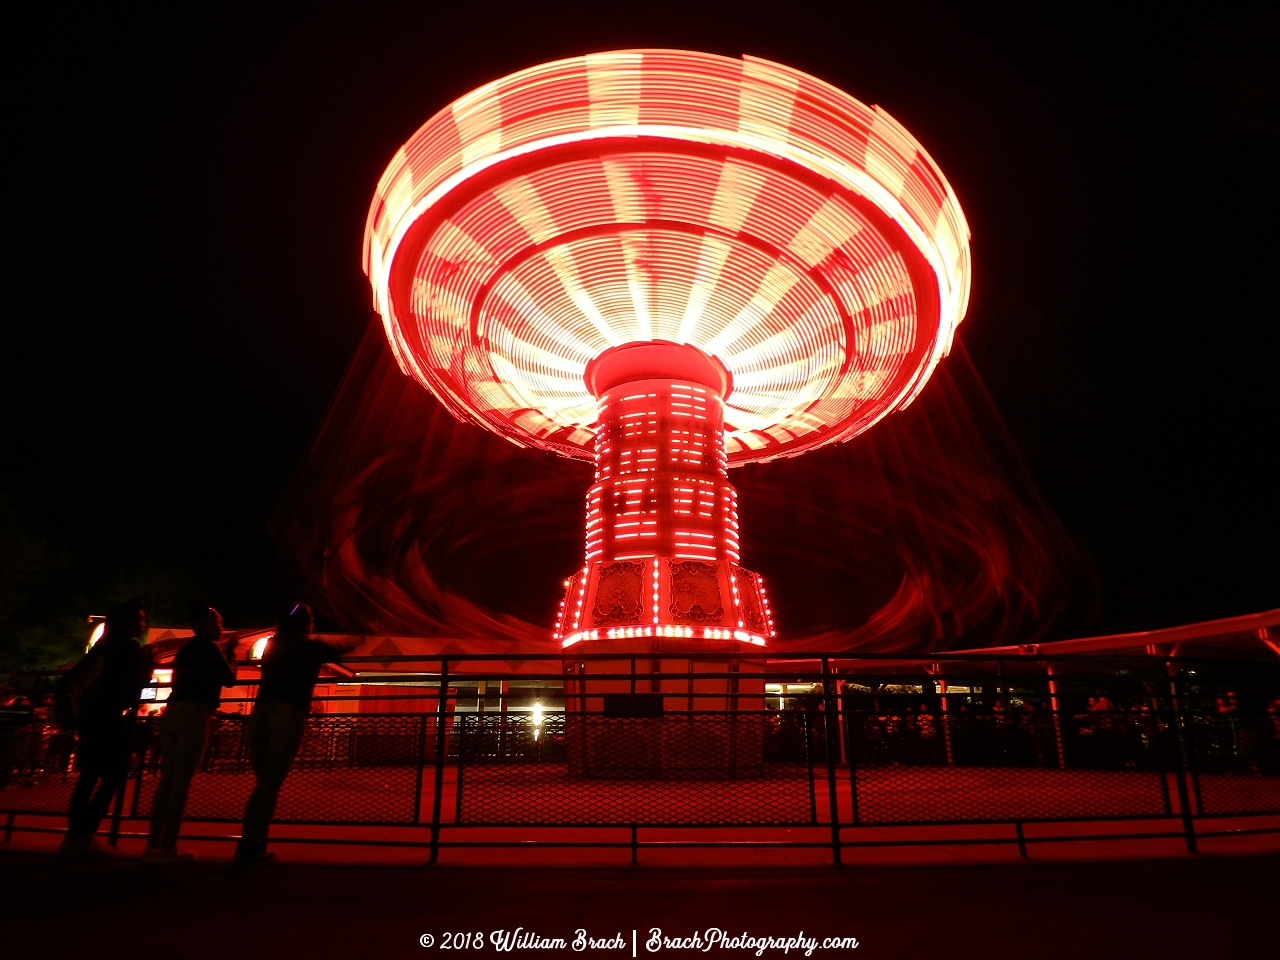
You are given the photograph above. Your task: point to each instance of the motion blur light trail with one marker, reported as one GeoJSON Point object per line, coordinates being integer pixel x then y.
{"type": "Point", "coordinates": [669, 263]}
{"type": "Point", "coordinates": [802, 238]}
{"type": "Point", "coordinates": [402, 520]}
{"type": "Point", "coordinates": [923, 534]}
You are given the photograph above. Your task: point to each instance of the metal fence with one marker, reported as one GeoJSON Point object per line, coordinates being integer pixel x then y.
{"type": "Point", "coordinates": [639, 742]}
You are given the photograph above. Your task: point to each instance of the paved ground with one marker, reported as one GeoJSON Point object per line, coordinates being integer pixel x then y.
{"type": "Point", "coordinates": [1205, 907]}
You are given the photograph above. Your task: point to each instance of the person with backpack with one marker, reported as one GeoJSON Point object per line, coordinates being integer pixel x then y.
{"type": "Point", "coordinates": [99, 698]}
{"type": "Point", "coordinates": [290, 668]}
{"type": "Point", "coordinates": [201, 668]}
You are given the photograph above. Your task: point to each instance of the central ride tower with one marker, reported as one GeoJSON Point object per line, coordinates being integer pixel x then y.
{"type": "Point", "coordinates": [662, 550]}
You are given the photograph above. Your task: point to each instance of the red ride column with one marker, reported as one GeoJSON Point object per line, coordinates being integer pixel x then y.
{"type": "Point", "coordinates": [662, 553]}
{"type": "Point", "coordinates": [661, 487]}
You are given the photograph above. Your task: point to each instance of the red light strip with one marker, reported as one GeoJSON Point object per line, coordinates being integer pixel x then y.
{"type": "Point", "coordinates": [676, 631]}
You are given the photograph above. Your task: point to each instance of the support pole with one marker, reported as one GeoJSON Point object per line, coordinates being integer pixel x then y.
{"type": "Point", "coordinates": [461, 768]}
{"type": "Point", "coordinates": [808, 756]}
{"type": "Point", "coordinates": [1182, 758]}
{"type": "Point", "coordinates": [1055, 708]}
{"type": "Point", "coordinates": [421, 765]}
{"type": "Point", "coordinates": [442, 702]}
{"type": "Point", "coordinates": [504, 690]}
{"type": "Point", "coordinates": [829, 708]}
{"type": "Point", "coordinates": [946, 721]}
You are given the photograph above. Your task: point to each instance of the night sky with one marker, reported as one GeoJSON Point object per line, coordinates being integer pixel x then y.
{"type": "Point", "coordinates": [187, 193]}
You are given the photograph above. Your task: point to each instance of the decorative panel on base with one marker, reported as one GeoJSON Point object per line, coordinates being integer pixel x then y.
{"type": "Point", "coordinates": [665, 597]}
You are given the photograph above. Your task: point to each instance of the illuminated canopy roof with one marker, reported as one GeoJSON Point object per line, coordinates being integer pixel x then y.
{"type": "Point", "coordinates": [804, 239]}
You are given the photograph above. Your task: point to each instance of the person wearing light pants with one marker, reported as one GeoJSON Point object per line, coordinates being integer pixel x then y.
{"type": "Point", "coordinates": [200, 670]}
{"type": "Point", "coordinates": [290, 668]}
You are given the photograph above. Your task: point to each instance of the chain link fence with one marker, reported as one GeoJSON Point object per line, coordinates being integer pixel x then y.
{"type": "Point", "coordinates": [847, 750]}
{"type": "Point", "coordinates": [688, 768]}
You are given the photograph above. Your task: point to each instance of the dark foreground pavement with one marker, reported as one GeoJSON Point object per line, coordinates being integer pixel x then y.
{"type": "Point", "coordinates": [1160, 909]}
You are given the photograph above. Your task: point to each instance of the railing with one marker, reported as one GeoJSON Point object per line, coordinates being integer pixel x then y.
{"type": "Point", "coordinates": [749, 745]}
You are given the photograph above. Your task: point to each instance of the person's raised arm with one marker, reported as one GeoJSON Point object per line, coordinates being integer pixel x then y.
{"type": "Point", "coordinates": [145, 664]}
{"type": "Point", "coordinates": [336, 649]}
{"type": "Point", "coordinates": [225, 667]}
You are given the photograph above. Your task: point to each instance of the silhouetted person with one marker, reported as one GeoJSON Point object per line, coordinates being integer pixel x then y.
{"type": "Point", "coordinates": [1273, 727]}
{"type": "Point", "coordinates": [104, 725]}
{"type": "Point", "coordinates": [1104, 726]}
{"type": "Point", "coordinates": [1101, 703]}
{"type": "Point", "coordinates": [14, 714]}
{"type": "Point", "coordinates": [27, 754]}
{"type": "Point", "coordinates": [290, 668]}
{"type": "Point", "coordinates": [1227, 707]}
{"type": "Point", "coordinates": [200, 670]}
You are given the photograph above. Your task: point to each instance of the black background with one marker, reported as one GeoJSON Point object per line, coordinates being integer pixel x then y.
{"type": "Point", "coordinates": [188, 185]}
